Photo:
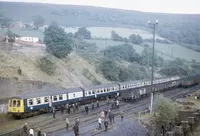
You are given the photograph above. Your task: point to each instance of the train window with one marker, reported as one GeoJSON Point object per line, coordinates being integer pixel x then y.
{"type": "Point", "coordinates": [38, 100]}
{"type": "Point", "coordinates": [30, 101]}
{"type": "Point", "coordinates": [93, 92]}
{"type": "Point", "coordinates": [89, 93]}
{"type": "Point", "coordinates": [102, 91]}
{"type": "Point", "coordinates": [98, 91]}
{"type": "Point", "coordinates": [14, 103]}
{"type": "Point", "coordinates": [10, 103]}
{"type": "Point", "coordinates": [60, 97]}
{"type": "Point", "coordinates": [85, 93]}
{"type": "Point", "coordinates": [74, 95]}
{"type": "Point", "coordinates": [46, 99]}
{"type": "Point", "coordinates": [105, 90]}
{"type": "Point", "coordinates": [18, 103]}
{"type": "Point", "coordinates": [55, 98]}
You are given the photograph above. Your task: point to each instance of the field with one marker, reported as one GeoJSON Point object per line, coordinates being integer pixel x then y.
{"type": "Point", "coordinates": [105, 32]}
{"type": "Point", "coordinates": [167, 51]}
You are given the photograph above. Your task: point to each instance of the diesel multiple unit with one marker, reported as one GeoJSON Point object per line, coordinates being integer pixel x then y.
{"type": "Point", "coordinates": [33, 103]}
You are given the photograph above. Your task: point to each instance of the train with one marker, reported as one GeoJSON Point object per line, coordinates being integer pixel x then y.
{"type": "Point", "coordinates": [34, 103]}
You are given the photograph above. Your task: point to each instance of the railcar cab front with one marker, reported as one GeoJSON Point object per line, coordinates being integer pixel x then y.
{"type": "Point", "coordinates": [16, 106]}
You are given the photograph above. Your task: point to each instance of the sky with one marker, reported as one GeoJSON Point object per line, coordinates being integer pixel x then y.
{"type": "Point", "coordinates": [162, 6]}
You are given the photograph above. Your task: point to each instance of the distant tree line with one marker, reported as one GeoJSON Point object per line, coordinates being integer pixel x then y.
{"type": "Point", "coordinates": [133, 38]}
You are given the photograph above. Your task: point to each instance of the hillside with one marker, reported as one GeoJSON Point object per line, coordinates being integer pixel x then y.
{"type": "Point", "coordinates": [181, 28]}
{"type": "Point", "coordinates": [69, 72]}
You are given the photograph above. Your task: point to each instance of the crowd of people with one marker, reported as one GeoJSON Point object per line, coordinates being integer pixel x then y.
{"type": "Point", "coordinates": [30, 132]}
{"type": "Point", "coordinates": [105, 118]}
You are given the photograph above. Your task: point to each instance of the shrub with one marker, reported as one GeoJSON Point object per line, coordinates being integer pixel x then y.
{"type": "Point", "coordinates": [46, 65]}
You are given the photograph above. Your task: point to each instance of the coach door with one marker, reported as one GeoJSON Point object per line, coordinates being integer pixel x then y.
{"type": "Point", "coordinates": [50, 101]}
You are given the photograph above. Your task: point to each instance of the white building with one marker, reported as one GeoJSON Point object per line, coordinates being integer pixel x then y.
{"type": "Point", "coordinates": [28, 39]}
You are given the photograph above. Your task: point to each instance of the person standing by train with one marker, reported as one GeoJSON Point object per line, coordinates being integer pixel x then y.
{"type": "Point", "coordinates": [76, 106]}
{"type": "Point", "coordinates": [54, 112]}
{"type": "Point", "coordinates": [97, 104]}
{"type": "Point", "coordinates": [93, 109]}
{"type": "Point", "coordinates": [86, 109]}
{"type": "Point", "coordinates": [117, 103]}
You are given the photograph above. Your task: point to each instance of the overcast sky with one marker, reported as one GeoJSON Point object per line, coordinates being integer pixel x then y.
{"type": "Point", "coordinates": [164, 6]}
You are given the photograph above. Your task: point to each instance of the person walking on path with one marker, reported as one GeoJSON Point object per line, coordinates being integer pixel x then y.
{"type": "Point", "coordinates": [77, 122]}
{"type": "Point", "coordinates": [110, 117]}
{"type": "Point", "coordinates": [67, 123]}
{"type": "Point", "coordinates": [76, 130]}
{"type": "Point", "coordinates": [31, 132]}
{"type": "Point", "coordinates": [122, 115]}
{"type": "Point", "coordinates": [99, 122]}
{"type": "Point", "coordinates": [113, 117]}
{"type": "Point", "coordinates": [39, 133]}
{"type": "Point", "coordinates": [106, 124]}
{"type": "Point", "coordinates": [25, 129]}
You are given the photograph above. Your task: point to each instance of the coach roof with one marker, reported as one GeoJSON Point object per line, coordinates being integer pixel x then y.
{"type": "Point", "coordinates": [47, 93]}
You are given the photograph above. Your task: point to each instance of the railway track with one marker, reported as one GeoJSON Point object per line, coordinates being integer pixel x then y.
{"type": "Point", "coordinates": [51, 125]}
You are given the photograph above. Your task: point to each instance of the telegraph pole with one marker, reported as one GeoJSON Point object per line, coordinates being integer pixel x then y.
{"type": "Point", "coordinates": [152, 65]}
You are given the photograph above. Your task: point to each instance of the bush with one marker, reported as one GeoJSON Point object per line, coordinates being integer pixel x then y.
{"type": "Point", "coordinates": [46, 65]}
{"type": "Point", "coordinates": [166, 110]}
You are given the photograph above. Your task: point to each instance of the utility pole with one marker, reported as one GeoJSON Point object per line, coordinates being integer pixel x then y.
{"type": "Point", "coordinates": [152, 65]}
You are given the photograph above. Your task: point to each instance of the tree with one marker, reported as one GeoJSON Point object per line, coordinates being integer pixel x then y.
{"type": "Point", "coordinates": [83, 33]}
{"type": "Point", "coordinates": [57, 41]}
{"type": "Point", "coordinates": [166, 110]}
{"type": "Point", "coordinates": [38, 21]}
{"type": "Point", "coordinates": [109, 69]}
{"type": "Point", "coordinates": [115, 36]}
{"type": "Point", "coordinates": [5, 22]}
{"type": "Point", "coordinates": [9, 33]}
{"type": "Point", "coordinates": [135, 39]}
{"type": "Point", "coordinates": [125, 52]}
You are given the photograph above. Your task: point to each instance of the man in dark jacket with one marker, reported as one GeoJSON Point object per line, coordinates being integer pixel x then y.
{"type": "Point", "coordinates": [106, 124]}
{"type": "Point", "coordinates": [76, 130]}
{"type": "Point", "coordinates": [25, 129]}
{"type": "Point", "coordinates": [93, 107]}
{"type": "Point", "coordinates": [39, 132]}
{"type": "Point", "coordinates": [86, 109]}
